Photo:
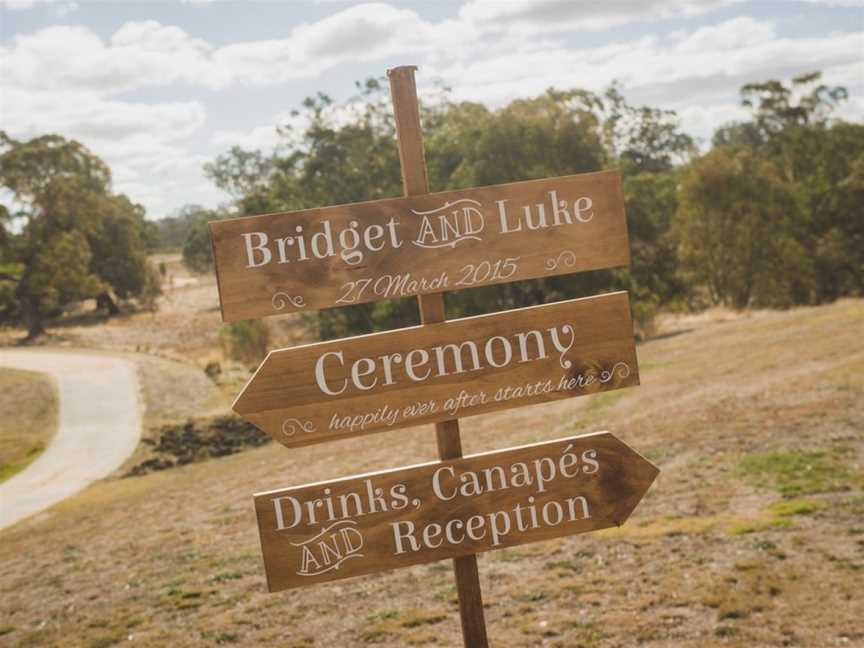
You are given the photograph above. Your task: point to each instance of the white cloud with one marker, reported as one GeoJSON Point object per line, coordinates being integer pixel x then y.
{"type": "Point", "coordinates": [68, 79]}
{"type": "Point", "coordinates": [143, 54]}
{"type": "Point", "coordinates": [701, 121]}
{"type": "Point", "coordinates": [848, 74]}
{"type": "Point", "coordinates": [265, 137]}
{"type": "Point", "coordinates": [61, 7]}
{"type": "Point", "coordinates": [139, 54]}
{"type": "Point", "coordinates": [836, 3]}
{"type": "Point", "coordinates": [149, 54]}
{"type": "Point", "coordinates": [695, 65]}
{"type": "Point", "coordinates": [733, 34]}
{"type": "Point", "coordinates": [852, 110]}
{"type": "Point", "coordinates": [259, 138]}
{"type": "Point", "coordinates": [91, 117]}
{"type": "Point", "coordinates": [567, 15]}
{"type": "Point", "coordinates": [159, 173]}
{"type": "Point", "coordinates": [365, 32]}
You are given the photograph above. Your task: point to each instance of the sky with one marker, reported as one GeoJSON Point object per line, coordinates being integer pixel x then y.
{"type": "Point", "coordinates": [159, 88]}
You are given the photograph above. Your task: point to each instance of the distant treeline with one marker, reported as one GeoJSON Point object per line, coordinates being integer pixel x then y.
{"type": "Point", "coordinates": [772, 215]}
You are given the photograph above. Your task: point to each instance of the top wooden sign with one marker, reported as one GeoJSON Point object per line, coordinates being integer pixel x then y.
{"type": "Point", "coordinates": [400, 247]}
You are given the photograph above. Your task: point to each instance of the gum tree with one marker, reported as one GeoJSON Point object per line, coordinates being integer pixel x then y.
{"type": "Point", "coordinates": [66, 236]}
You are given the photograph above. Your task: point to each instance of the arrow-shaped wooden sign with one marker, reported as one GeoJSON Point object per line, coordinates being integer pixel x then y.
{"type": "Point", "coordinates": [395, 518]}
{"type": "Point", "coordinates": [424, 374]}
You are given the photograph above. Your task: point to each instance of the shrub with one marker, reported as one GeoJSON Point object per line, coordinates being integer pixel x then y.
{"type": "Point", "coordinates": [245, 341]}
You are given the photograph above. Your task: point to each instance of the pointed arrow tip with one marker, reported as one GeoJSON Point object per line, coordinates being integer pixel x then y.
{"type": "Point", "coordinates": [642, 476]}
{"type": "Point", "coordinates": [241, 404]}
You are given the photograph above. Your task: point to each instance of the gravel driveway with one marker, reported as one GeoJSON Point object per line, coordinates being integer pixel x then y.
{"type": "Point", "coordinates": [99, 425]}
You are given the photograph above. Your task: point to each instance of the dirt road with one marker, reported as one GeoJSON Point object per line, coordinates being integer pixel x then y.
{"type": "Point", "coordinates": [99, 425]}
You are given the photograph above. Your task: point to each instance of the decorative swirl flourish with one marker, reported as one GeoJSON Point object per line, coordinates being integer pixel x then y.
{"type": "Point", "coordinates": [446, 205]}
{"type": "Point", "coordinates": [292, 425]}
{"type": "Point", "coordinates": [566, 258]}
{"type": "Point", "coordinates": [569, 330]}
{"type": "Point", "coordinates": [450, 244]}
{"type": "Point", "coordinates": [622, 368]}
{"type": "Point", "coordinates": [339, 523]}
{"type": "Point", "coordinates": [282, 299]}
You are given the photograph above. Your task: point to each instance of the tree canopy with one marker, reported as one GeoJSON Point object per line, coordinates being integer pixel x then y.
{"type": "Point", "coordinates": [467, 144]}
{"type": "Point", "coordinates": [68, 237]}
{"type": "Point", "coordinates": [769, 215]}
{"type": "Point", "coordinates": [811, 214]}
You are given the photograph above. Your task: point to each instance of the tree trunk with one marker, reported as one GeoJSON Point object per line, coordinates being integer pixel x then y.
{"type": "Point", "coordinates": [104, 300]}
{"type": "Point", "coordinates": [32, 319]}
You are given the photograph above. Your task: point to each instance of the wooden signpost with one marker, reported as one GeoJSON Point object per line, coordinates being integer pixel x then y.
{"type": "Point", "coordinates": [395, 518]}
{"type": "Point", "coordinates": [424, 244]}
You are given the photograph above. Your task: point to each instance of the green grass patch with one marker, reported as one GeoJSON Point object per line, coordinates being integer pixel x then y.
{"type": "Point", "coordinates": [589, 634]}
{"type": "Point", "coordinates": [798, 473]}
{"type": "Point", "coordinates": [566, 565]}
{"type": "Point", "coordinates": [226, 576]}
{"type": "Point", "coordinates": [8, 470]}
{"type": "Point", "coordinates": [11, 469]}
{"type": "Point", "coordinates": [508, 555]}
{"type": "Point", "coordinates": [754, 526]}
{"type": "Point", "coordinates": [660, 452]}
{"type": "Point", "coordinates": [418, 619]}
{"type": "Point", "coordinates": [604, 400]}
{"type": "Point", "coordinates": [28, 418]}
{"type": "Point", "coordinates": [533, 597]}
{"type": "Point", "coordinates": [375, 635]}
{"type": "Point", "coordinates": [227, 637]}
{"type": "Point", "coordinates": [595, 407]}
{"type": "Point", "coordinates": [383, 615]}
{"type": "Point", "coordinates": [788, 508]}
{"type": "Point", "coordinates": [448, 594]}
{"type": "Point", "coordinates": [105, 642]}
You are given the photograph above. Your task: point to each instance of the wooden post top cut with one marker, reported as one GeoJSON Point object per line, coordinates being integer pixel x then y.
{"type": "Point", "coordinates": [437, 372]}
{"type": "Point", "coordinates": [420, 244]}
{"type": "Point", "coordinates": [370, 523]}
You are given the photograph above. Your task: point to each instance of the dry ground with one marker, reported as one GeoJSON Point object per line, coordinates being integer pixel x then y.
{"type": "Point", "coordinates": [752, 536]}
{"type": "Point", "coordinates": [28, 418]}
{"type": "Point", "coordinates": [185, 326]}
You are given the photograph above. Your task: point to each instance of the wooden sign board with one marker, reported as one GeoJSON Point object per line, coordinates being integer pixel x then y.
{"type": "Point", "coordinates": [395, 518]}
{"type": "Point", "coordinates": [437, 372]}
{"type": "Point", "coordinates": [350, 254]}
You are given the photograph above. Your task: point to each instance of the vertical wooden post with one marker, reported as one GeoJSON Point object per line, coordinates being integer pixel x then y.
{"type": "Point", "coordinates": [403, 91]}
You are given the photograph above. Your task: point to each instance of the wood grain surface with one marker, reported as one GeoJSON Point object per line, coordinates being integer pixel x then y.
{"type": "Point", "coordinates": [409, 136]}
{"type": "Point", "coordinates": [418, 244]}
{"type": "Point", "coordinates": [379, 521]}
{"type": "Point", "coordinates": [436, 372]}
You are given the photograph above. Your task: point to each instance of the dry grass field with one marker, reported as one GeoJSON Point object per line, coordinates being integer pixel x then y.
{"type": "Point", "coordinates": [753, 534]}
{"type": "Point", "coordinates": [28, 418]}
{"type": "Point", "coordinates": [185, 327]}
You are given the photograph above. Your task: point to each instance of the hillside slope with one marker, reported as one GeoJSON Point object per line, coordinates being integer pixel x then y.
{"type": "Point", "coordinates": [753, 534]}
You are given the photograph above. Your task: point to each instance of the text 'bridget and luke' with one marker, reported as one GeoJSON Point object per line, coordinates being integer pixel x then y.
{"type": "Point", "coordinates": [350, 254]}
